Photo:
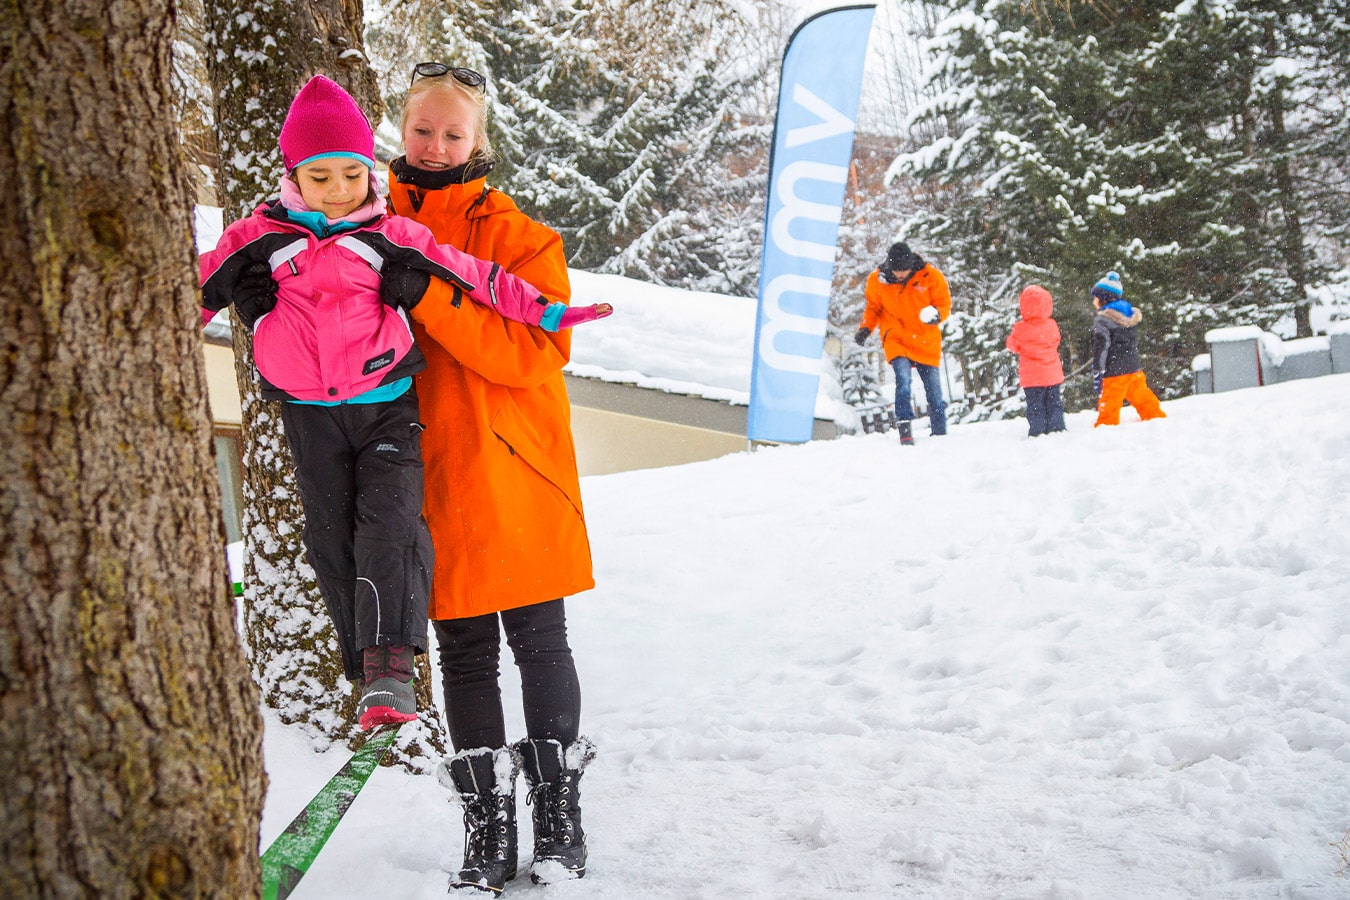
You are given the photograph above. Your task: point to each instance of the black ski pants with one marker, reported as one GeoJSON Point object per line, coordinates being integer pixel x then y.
{"type": "Point", "coordinates": [470, 656]}
{"type": "Point", "coordinates": [359, 470]}
{"type": "Point", "coordinates": [1045, 410]}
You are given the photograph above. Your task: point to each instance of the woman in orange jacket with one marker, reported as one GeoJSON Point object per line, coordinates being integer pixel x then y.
{"type": "Point", "coordinates": [503, 498]}
{"type": "Point", "coordinates": [907, 299]}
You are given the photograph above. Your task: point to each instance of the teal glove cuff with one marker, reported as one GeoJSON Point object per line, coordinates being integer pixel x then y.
{"type": "Point", "coordinates": [552, 316]}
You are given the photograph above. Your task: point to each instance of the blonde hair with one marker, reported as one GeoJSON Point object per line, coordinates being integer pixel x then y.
{"type": "Point", "coordinates": [448, 84]}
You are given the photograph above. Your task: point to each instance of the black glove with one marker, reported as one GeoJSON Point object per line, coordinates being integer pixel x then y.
{"type": "Point", "coordinates": [402, 287]}
{"type": "Point", "coordinates": [861, 337]}
{"type": "Point", "coordinates": [255, 293]}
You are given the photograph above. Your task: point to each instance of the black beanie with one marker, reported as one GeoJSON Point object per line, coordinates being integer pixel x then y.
{"type": "Point", "coordinates": [901, 259]}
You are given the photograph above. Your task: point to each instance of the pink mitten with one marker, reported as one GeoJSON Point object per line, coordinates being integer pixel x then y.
{"type": "Point", "coordinates": [575, 315]}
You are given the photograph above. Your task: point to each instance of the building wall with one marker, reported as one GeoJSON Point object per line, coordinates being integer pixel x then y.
{"type": "Point", "coordinates": [610, 442]}
{"type": "Point", "coordinates": [1244, 356]}
{"type": "Point", "coordinates": [221, 386]}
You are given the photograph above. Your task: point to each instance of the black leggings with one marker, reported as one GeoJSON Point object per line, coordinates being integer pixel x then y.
{"type": "Point", "coordinates": [470, 653]}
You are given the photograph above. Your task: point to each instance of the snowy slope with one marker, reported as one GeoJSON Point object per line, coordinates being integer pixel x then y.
{"type": "Point", "coordinates": [1111, 663]}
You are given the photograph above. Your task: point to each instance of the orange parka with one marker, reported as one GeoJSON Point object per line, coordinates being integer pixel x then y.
{"type": "Point", "coordinates": [503, 498]}
{"type": "Point", "coordinates": [894, 309]}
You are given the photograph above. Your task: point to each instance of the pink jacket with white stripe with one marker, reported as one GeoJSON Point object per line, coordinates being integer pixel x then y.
{"type": "Point", "coordinates": [330, 337]}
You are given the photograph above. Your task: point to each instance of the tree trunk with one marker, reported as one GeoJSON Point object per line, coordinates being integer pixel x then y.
{"type": "Point", "coordinates": [196, 112]}
{"type": "Point", "coordinates": [260, 55]}
{"type": "Point", "coordinates": [1291, 241]}
{"type": "Point", "coordinates": [132, 745]}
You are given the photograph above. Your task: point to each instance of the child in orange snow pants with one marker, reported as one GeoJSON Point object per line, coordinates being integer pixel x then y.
{"type": "Point", "coordinates": [1115, 355]}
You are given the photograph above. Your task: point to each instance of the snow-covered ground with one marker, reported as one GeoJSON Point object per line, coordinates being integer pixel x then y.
{"type": "Point", "coordinates": [1109, 663]}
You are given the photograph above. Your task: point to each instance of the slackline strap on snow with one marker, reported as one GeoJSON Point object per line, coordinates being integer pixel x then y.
{"type": "Point", "coordinates": [295, 849]}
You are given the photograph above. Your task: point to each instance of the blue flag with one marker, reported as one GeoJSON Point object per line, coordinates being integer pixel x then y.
{"type": "Point", "coordinates": [812, 144]}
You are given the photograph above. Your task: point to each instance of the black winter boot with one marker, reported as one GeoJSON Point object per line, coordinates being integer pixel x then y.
{"type": "Point", "coordinates": [484, 780]}
{"type": "Point", "coordinates": [553, 773]}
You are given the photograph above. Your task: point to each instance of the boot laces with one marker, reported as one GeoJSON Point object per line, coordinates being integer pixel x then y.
{"type": "Point", "coordinates": [551, 813]}
{"type": "Point", "coordinates": [481, 840]}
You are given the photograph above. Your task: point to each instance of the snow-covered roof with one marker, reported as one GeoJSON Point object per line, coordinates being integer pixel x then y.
{"type": "Point", "coordinates": [664, 338]}
{"type": "Point", "coordinates": [1232, 333]}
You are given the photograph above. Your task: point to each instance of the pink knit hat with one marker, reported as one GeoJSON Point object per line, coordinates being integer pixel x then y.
{"type": "Point", "coordinates": [325, 121]}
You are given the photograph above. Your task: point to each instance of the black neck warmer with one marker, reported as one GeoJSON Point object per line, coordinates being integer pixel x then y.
{"type": "Point", "coordinates": [435, 181]}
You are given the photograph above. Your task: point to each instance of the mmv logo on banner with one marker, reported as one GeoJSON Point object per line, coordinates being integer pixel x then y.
{"type": "Point", "coordinates": [813, 140]}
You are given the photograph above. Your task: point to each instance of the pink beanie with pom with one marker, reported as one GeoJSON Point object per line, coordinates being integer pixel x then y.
{"type": "Point", "coordinates": [325, 121]}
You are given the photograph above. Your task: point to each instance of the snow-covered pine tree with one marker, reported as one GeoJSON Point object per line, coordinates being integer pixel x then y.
{"type": "Point", "coordinates": [1250, 94]}
{"type": "Point", "coordinates": [618, 124]}
{"type": "Point", "coordinates": [861, 386]}
{"type": "Point", "coordinates": [1333, 54]}
{"type": "Point", "coordinates": [1010, 172]}
{"type": "Point", "coordinates": [1332, 51]}
{"type": "Point", "coordinates": [708, 151]}
{"type": "Point", "coordinates": [1152, 138]}
{"type": "Point", "coordinates": [260, 54]}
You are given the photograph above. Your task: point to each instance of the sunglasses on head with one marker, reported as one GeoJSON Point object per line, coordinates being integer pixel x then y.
{"type": "Point", "coordinates": [466, 77]}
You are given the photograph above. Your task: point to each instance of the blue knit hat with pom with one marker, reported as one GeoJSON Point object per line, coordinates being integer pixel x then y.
{"type": "Point", "coordinates": [1108, 288]}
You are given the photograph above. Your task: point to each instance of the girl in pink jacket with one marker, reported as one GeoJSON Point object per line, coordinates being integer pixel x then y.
{"type": "Point", "coordinates": [1035, 340]}
{"type": "Point", "coordinates": [304, 274]}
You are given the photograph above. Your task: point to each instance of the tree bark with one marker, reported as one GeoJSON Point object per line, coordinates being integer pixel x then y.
{"type": "Point", "coordinates": [132, 744]}
{"type": "Point", "coordinates": [1291, 242]}
{"type": "Point", "coordinates": [196, 112]}
{"type": "Point", "coordinates": [260, 54]}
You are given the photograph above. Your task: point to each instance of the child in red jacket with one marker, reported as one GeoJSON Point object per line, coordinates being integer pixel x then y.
{"type": "Point", "coordinates": [1035, 340]}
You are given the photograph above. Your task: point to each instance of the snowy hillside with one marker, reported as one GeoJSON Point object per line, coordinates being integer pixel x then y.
{"type": "Point", "coordinates": [1111, 663]}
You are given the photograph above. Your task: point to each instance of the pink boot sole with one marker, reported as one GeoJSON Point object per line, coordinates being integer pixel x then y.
{"type": "Point", "coordinates": [383, 715]}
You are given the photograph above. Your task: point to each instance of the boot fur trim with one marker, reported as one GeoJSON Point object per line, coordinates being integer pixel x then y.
{"type": "Point", "coordinates": [505, 769]}
{"type": "Point", "coordinates": [579, 754]}
{"type": "Point", "coordinates": [575, 757]}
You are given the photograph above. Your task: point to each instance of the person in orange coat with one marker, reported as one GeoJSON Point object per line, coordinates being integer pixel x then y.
{"type": "Point", "coordinates": [907, 299]}
{"type": "Point", "coordinates": [503, 497]}
{"type": "Point", "coordinates": [1035, 340]}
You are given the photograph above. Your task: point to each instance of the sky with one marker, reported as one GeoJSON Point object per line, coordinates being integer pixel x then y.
{"type": "Point", "coordinates": [1108, 663]}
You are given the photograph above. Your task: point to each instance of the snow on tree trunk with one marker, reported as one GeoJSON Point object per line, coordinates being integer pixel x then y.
{"type": "Point", "coordinates": [260, 54]}
{"type": "Point", "coordinates": [132, 744]}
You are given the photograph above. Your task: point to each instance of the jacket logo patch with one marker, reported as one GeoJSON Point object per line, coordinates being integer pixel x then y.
{"type": "Point", "coordinates": [374, 365]}
{"type": "Point", "coordinates": [387, 448]}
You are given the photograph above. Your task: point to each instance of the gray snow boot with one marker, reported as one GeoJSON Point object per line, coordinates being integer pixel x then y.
{"type": "Point", "coordinates": [553, 773]}
{"type": "Point", "coordinates": [387, 695]}
{"type": "Point", "coordinates": [484, 781]}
